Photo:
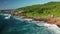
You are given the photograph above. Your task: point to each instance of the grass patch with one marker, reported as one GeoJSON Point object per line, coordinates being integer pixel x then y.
{"type": "Point", "coordinates": [37, 15]}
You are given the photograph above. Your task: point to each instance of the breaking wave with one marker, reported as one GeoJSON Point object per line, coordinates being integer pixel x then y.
{"type": "Point", "coordinates": [19, 25]}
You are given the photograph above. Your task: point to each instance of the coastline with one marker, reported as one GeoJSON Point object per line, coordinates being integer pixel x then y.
{"type": "Point", "coordinates": [51, 20]}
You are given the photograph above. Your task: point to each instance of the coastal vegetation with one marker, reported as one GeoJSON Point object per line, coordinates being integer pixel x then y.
{"type": "Point", "coordinates": [42, 10]}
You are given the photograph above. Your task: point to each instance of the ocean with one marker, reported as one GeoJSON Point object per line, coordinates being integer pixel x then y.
{"type": "Point", "coordinates": [19, 25]}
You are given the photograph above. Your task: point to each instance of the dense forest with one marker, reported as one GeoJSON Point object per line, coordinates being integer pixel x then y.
{"type": "Point", "coordinates": [43, 10]}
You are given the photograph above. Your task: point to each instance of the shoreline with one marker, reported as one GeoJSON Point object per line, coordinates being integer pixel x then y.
{"type": "Point", "coordinates": [51, 20]}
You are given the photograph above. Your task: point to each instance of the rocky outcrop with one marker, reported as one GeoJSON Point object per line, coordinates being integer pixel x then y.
{"type": "Point", "coordinates": [51, 20]}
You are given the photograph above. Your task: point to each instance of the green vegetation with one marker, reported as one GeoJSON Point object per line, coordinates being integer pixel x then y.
{"type": "Point", "coordinates": [42, 10]}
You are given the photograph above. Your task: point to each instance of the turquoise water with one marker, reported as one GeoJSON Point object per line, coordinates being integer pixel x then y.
{"type": "Point", "coordinates": [16, 26]}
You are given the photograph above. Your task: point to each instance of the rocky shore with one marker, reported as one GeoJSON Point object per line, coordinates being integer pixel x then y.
{"type": "Point", "coordinates": [50, 20]}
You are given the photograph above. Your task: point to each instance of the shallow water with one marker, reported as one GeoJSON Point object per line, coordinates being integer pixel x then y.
{"type": "Point", "coordinates": [18, 25]}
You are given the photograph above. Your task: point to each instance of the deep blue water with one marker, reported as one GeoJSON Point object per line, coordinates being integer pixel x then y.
{"type": "Point", "coordinates": [15, 26]}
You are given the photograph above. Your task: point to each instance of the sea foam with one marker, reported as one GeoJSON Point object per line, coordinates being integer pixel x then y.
{"type": "Point", "coordinates": [51, 27]}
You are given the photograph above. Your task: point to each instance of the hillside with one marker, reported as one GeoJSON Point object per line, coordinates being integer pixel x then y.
{"type": "Point", "coordinates": [42, 10]}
